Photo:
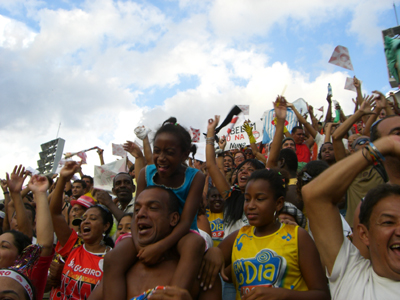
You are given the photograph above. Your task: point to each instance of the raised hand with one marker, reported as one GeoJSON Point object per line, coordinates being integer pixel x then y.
{"type": "Point", "coordinates": [311, 110]}
{"type": "Point", "coordinates": [248, 128]}
{"type": "Point", "coordinates": [4, 186]}
{"type": "Point", "coordinates": [69, 169]}
{"type": "Point", "coordinates": [222, 142]}
{"type": "Point", "coordinates": [367, 104]}
{"type": "Point", "coordinates": [38, 184]}
{"type": "Point", "coordinates": [380, 100]}
{"type": "Point", "coordinates": [16, 180]}
{"type": "Point", "coordinates": [356, 82]}
{"type": "Point", "coordinates": [280, 106]}
{"type": "Point", "coordinates": [329, 99]}
{"type": "Point", "coordinates": [103, 197]}
{"type": "Point", "coordinates": [133, 149]}
{"type": "Point", "coordinates": [213, 123]}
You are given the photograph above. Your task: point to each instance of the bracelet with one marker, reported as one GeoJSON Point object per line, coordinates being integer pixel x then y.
{"type": "Point", "coordinates": [366, 157]}
{"type": "Point", "coordinates": [377, 151]}
{"type": "Point", "coordinates": [210, 142]}
{"type": "Point", "coordinates": [6, 192]}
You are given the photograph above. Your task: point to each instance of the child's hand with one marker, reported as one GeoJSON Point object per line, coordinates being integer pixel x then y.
{"type": "Point", "coordinates": [151, 254]}
{"type": "Point", "coordinates": [212, 124]}
{"type": "Point", "coordinates": [212, 264]}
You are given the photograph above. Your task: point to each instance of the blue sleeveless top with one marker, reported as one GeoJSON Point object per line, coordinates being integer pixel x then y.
{"type": "Point", "coordinates": [181, 192]}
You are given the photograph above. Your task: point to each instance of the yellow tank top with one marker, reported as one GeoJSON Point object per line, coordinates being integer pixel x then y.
{"type": "Point", "coordinates": [217, 226]}
{"type": "Point", "coordinates": [270, 260]}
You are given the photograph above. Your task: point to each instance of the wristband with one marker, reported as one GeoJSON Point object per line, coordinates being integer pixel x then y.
{"type": "Point", "coordinates": [377, 151]}
{"type": "Point", "coordinates": [6, 192]}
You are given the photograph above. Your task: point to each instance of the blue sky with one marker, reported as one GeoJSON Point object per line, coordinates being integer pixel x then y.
{"type": "Point", "coordinates": [101, 68]}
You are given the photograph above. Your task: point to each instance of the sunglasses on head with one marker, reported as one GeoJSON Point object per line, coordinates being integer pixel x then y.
{"type": "Point", "coordinates": [361, 141]}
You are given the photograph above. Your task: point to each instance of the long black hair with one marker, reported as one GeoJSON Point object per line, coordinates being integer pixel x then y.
{"type": "Point", "coordinates": [107, 217]}
{"type": "Point", "coordinates": [233, 206]}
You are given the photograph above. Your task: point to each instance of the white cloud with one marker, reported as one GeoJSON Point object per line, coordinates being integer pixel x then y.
{"type": "Point", "coordinates": [14, 35]}
{"type": "Point", "coordinates": [86, 67]}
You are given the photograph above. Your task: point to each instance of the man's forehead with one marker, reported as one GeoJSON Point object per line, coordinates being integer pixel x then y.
{"type": "Point", "coordinates": [123, 177]}
{"type": "Point", "coordinates": [388, 124]}
{"type": "Point", "coordinates": [153, 195]}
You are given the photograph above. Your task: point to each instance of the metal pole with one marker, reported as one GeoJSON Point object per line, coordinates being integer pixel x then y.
{"type": "Point", "coordinates": [395, 13]}
{"type": "Point", "coordinates": [58, 130]}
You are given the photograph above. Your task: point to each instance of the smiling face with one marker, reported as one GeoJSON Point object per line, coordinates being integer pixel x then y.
{"type": "Point", "coordinates": [215, 200]}
{"type": "Point", "coordinates": [152, 220]}
{"type": "Point", "coordinates": [167, 154]}
{"type": "Point", "coordinates": [239, 158]}
{"type": "Point", "coordinates": [243, 175]}
{"type": "Point", "coordinates": [92, 227]}
{"type": "Point", "coordinates": [260, 206]}
{"type": "Point", "coordinates": [383, 237]}
{"type": "Point", "coordinates": [8, 251]}
{"type": "Point", "coordinates": [228, 163]}
{"type": "Point", "coordinates": [123, 188]}
{"type": "Point", "coordinates": [124, 226]}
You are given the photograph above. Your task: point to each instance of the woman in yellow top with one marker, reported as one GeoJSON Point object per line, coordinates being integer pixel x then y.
{"type": "Point", "coordinates": [269, 260]}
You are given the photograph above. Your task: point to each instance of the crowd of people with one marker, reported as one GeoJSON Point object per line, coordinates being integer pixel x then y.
{"type": "Point", "coordinates": [313, 215]}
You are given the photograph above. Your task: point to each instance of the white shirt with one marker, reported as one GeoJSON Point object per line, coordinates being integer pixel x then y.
{"type": "Point", "coordinates": [354, 278]}
{"type": "Point", "coordinates": [320, 139]}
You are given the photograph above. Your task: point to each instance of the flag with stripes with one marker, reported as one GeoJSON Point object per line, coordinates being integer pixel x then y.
{"type": "Point", "coordinates": [269, 124]}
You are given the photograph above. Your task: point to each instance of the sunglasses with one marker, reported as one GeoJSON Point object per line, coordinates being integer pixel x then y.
{"type": "Point", "coordinates": [361, 142]}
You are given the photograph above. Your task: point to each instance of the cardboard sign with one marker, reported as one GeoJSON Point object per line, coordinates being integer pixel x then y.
{"type": "Point", "coordinates": [118, 150]}
{"type": "Point", "coordinates": [104, 175]}
{"type": "Point", "coordinates": [238, 137]}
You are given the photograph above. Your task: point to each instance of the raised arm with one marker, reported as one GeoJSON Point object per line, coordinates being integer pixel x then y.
{"type": "Point", "coordinates": [381, 99]}
{"type": "Point", "coordinates": [303, 121]}
{"type": "Point", "coordinates": [280, 113]}
{"type": "Point", "coordinates": [220, 156]}
{"type": "Point", "coordinates": [322, 195]}
{"type": "Point", "coordinates": [100, 153]}
{"type": "Point", "coordinates": [44, 225]}
{"type": "Point", "coordinates": [328, 117]}
{"type": "Point", "coordinates": [341, 131]}
{"type": "Point", "coordinates": [357, 85]}
{"type": "Point", "coordinates": [15, 182]}
{"type": "Point", "coordinates": [249, 130]}
{"type": "Point", "coordinates": [6, 193]}
{"type": "Point", "coordinates": [217, 177]}
{"type": "Point", "coordinates": [135, 151]}
{"type": "Point", "coordinates": [314, 120]}
{"type": "Point", "coordinates": [395, 104]}
{"type": "Point", "coordinates": [60, 224]}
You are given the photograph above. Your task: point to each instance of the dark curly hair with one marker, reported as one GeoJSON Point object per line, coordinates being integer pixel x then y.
{"type": "Point", "coordinates": [171, 126]}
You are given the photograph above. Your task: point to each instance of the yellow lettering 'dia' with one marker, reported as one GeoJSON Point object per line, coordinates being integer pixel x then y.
{"type": "Point", "coordinates": [247, 265]}
{"type": "Point", "coordinates": [269, 272]}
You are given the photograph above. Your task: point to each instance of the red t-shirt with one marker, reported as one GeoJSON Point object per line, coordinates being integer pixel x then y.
{"type": "Point", "coordinates": [83, 270]}
{"type": "Point", "coordinates": [303, 153]}
{"type": "Point", "coordinates": [38, 275]}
